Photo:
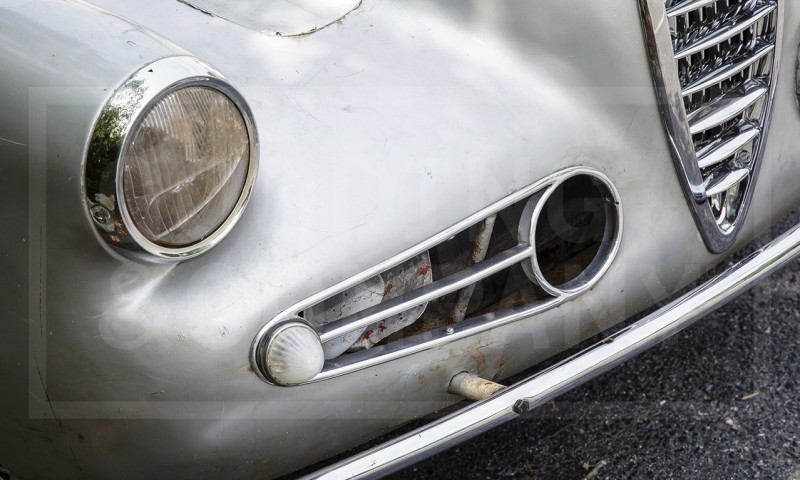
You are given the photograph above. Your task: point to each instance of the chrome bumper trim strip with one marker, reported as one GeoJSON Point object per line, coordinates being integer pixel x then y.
{"type": "Point", "coordinates": [586, 365]}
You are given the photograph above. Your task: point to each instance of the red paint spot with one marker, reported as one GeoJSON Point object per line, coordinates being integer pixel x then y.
{"type": "Point", "coordinates": [367, 334]}
{"type": "Point", "coordinates": [388, 288]}
{"type": "Point", "coordinates": [424, 270]}
{"type": "Point", "coordinates": [382, 327]}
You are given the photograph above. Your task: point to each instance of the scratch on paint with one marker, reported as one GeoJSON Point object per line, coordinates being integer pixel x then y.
{"type": "Point", "coordinates": [186, 2]}
{"type": "Point", "coordinates": [47, 396]}
{"type": "Point", "coordinates": [12, 142]}
{"type": "Point", "coordinates": [317, 29]}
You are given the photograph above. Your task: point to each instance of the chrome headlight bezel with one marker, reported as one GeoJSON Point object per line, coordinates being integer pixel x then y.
{"type": "Point", "coordinates": [117, 124]}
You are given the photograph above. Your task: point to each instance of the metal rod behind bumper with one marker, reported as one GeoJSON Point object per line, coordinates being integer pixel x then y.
{"type": "Point", "coordinates": [586, 365]}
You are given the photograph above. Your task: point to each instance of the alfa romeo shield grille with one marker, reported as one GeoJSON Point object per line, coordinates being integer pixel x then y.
{"type": "Point", "coordinates": [715, 66]}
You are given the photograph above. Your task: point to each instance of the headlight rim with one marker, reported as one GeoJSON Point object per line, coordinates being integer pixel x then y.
{"type": "Point", "coordinates": [115, 127]}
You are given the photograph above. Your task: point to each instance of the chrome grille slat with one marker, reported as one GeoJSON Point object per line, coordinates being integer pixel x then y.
{"type": "Point", "coordinates": [715, 37]}
{"type": "Point", "coordinates": [715, 63]}
{"type": "Point", "coordinates": [682, 8]}
{"type": "Point", "coordinates": [726, 149]}
{"type": "Point", "coordinates": [723, 183]}
{"type": "Point", "coordinates": [727, 71]}
{"type": "Point", "coordinates": [436, 289]}
{"type": "Point", "coordinates": [725, 108]}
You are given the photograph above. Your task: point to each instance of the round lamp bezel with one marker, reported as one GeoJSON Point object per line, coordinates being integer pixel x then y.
{"type": "Point", "coordinates": [115, 128]}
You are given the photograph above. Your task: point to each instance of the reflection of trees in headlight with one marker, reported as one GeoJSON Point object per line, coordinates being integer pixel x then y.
{"type": "Point", "coordinates": [109, 135]}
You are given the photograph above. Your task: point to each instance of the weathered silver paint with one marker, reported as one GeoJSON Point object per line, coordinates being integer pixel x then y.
{"type": "Point", "coordinates": [278, 17]}
{"type": "Point", "coordinates": [146, 366]}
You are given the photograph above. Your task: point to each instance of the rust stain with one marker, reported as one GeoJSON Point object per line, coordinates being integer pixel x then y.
{"type": "Point", "coordinates": [388, 288]}
{"type": "Point", "coordinates": [424, 270]}
{"type": "Point", "coordinates": [480, 360]}
{"type": "Point", "coordinates": [499, 363]}
{"type": "Point", "coordinates": [421, 379]}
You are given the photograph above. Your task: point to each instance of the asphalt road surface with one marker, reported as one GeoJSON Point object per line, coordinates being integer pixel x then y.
{"type": "Point", "coordinates": [720, 400]}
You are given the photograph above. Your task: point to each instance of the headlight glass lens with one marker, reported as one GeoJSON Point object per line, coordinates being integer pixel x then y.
{"type": "Point", "coordinates": [185, 168]}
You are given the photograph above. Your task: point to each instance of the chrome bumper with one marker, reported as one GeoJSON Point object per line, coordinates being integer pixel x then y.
{"type": "Point", "coordinates": [586, 365]}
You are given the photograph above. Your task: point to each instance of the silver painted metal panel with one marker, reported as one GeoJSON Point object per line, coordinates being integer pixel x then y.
{"type": "Point", "coordinates": [278, 17]}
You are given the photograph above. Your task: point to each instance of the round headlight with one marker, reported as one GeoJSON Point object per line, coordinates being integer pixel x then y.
{"type": "Point", "coordinates": [185, 167]}
{"type": "Point", "coordinates": [171, 162]}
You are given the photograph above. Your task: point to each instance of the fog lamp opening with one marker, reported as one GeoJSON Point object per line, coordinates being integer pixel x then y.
{"type": "Point", "coordinates": [574, 227]}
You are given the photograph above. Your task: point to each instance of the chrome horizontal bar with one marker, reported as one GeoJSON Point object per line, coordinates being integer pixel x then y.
{"type": "Point", "coordinates": [441, 287]}
{"type": "Point", "coordinates": [688, 6]}
{"type": "Point", "coordinates": [726, 108]}
{"type": "Point", "coordinates": [724, 182]}
{"type": "Point", "coordinates": [719, 35]}
{"type": "Point", "coordinates": [727, 148]}
{"type": "Point", "coordinates": [588, 364]}
{"type": "Point", "coordinates": [429, 340]}
{"type": "Point", "coordinates": [727, 71]}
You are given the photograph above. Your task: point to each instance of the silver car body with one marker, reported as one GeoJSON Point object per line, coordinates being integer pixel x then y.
{"type": "Point", "coordinates": [380, 126]}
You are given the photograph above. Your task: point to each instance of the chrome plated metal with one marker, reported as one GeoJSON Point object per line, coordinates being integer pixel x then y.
{"type": "Point", "coordinates": [687, 6]}
{"type": "Point", "coordinates": [111, 137]}
{"type": "Point", "coordinates": [426, 341]}
{"type": "Point", "coordinates": [542, 387]}
{"type": "Point", "coordinates": [524, 252]}
{"type": "Point", "coordinates": [723, 183]}
{"type": "Point", "coordinates": [715, 65]}
{"type": "Point", "coordinates": [714, 37]}
{"type": "Point", "coordinates": [427, 293]}
{"type": "Point", "coordinates": [724, 149]}
{"type": "Point", "coordinates": [406, 277]}
{"type": "Point", "coordinates": [727, 71]}
{"type": "Point", "coordinates": [608, 246]}
{"type": "Point", "coordinates": [363, 295]}
{"type": "Point", "coordinates": [725, 108]}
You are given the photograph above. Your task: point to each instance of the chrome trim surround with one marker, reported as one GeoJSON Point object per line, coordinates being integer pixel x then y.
{"type": "Point", "coordinates": [103, 161]}
{"type": "Point", "coordinates": [715, 64]}
{"type": "Point", "coordinates": [544, 386]}
{"type": "Point", "coordinates": [592, 273]}
{"type": "Point", "coordinates": [524, 252]}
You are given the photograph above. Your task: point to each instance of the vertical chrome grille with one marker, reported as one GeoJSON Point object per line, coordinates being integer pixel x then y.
{"type": "Point", "coordinates": [715, 64]}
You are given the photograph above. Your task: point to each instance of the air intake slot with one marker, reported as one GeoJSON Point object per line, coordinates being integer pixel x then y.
{"type": "Point", "coordinates": [523, 255]}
